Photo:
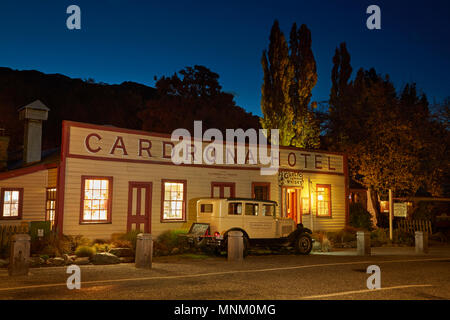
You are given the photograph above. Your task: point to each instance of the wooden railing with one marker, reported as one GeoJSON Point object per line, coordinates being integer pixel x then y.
{"type": "Point", "coordinates": [6, 232]}
{"type": "Point", "coordinates": [414, 225]}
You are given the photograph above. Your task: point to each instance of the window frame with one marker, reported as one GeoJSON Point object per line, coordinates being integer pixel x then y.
{"type": "Point", "coordinates": [303, 200]}
{"type": "Point", "coordinates": [261, 184]}
{"type": "Point", "coordinates": [222, 186]}
{"type": "Point", "coordinates": [47, 210]}
{"type": "Point", "coordinates": [328, 187]}
{"type": "Point", "coordinates": [110, 199]}
{"type": "Point", "coordinates": [236, 203]}
{"type": "Point", "coordinates": [255, 209]}
{"type": "Point", "coordinates": [20, 207]}
{"type": "Point", "coordinates": [183, 208]}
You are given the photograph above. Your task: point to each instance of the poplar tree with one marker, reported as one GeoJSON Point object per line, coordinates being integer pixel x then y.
{"type": "Point", "coordinates": [306, 126]}
{"type": "Point", "coordinates": [276, 102]}
{"type": "Point", "coordinates": [289, 77]}
{"type": "Point", "coordinates": [340, 103]}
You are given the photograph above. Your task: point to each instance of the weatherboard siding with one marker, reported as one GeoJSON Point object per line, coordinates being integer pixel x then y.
{"type": "Point", "coordinates": [34, 195]}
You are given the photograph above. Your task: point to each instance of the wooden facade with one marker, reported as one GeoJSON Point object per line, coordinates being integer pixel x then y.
{"type": "Point", "coordinates": [132, 170]}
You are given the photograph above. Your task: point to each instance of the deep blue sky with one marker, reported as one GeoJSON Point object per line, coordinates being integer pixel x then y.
{"type": "Point", "coordinates": [136, 40]}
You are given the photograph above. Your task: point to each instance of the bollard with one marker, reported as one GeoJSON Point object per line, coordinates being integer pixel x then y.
{"type": "Point", "coordinates": [20, 254]}
{"type": "Point", "coordinates": [235, 246]}
{"type": "Point", "coordinates": [421, 242]}
{"type": "Point", "coordinates": [363, 243]}
{"type": "Point", "coordinates": [144, 251]}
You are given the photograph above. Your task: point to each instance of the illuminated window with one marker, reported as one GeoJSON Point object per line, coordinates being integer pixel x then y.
{"type": "Point", "coordinates": [96, 199]}
{"type": "Point", "coordinates": [174, 200]}
{"type": "Point", "coordinates": [50, 207]}
{"type": "Point", "coordinates": [11, 203]}
{"type": "Point", "coordinates": [323, 200]}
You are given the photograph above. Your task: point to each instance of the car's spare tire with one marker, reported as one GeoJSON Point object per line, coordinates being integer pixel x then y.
{"type": "Point", "coordinates": [303, 243]}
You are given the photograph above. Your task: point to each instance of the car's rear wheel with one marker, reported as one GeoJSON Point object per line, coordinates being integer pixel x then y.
{"type": "Point", "coordinates": [303, 244]}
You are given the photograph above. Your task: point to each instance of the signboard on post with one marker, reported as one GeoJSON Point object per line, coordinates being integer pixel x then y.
{"type": "Point", "coordinates": [290, 178]}
{"type": "Point", "coordinates": [400, 209]}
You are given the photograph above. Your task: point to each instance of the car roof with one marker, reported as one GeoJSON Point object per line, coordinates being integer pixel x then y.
{"type": "Point", "coordinates": [252, 200]}
{"type": "Point", "coordinates": [239, 199]}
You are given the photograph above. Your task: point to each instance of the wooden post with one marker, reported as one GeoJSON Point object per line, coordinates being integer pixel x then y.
{"type": "Point", "coordinates": [391, 213]}
{"type": "Point", "coordinates": [144, 251]}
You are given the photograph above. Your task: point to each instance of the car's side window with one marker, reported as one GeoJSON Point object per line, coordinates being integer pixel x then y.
{"type": "Point", "coordinates": [268, 210]}
{"type": "Point", "coordinates": [251, 209]}
{"type": "Point", "coordinates": [235, 208]}
{"type": "Point", "coordinates": [206, 208]}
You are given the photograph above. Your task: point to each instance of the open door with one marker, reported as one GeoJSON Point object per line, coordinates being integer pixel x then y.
{"type": "Point", "coordinates": [292, 208]}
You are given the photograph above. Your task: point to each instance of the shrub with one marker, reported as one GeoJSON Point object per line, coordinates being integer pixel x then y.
{"type": "Point", "coordinates": [77, 241]}
{"type": "Point", "coordinates": [125, 240]}
{"type": "Point", "coordinates": [85, 251]}
{"type": "Point", "coordinates": [359, 217]}
{"type": "Point", "coordinates": [403, 237]}
{"type": "Point", "coordinates": [379, 236]}
{"type": "Point", "coordinates": [51, 244]}
{"type": "Point", "coordinates": [121, 244]}
{"type": "Point", "coordinates": [101, 247]}
{"type": "Point", "coordinates": [170, 239]}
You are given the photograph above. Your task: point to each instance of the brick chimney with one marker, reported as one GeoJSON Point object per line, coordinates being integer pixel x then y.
{"type": "Point", "coordinates": [4, 142]}
{"type": "Point", "coordinates": [33, 114]}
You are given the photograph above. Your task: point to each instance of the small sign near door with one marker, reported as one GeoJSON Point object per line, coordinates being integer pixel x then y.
{"type": "Point", "coordinates": [290, 178]}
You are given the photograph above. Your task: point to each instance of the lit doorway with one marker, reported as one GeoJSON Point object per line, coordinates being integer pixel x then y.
{"type": "Point", "coordinates": [292, 202]}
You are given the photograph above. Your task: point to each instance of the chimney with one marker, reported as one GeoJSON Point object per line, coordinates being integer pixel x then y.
{"type": "Point", "coordinates": [4, 142]}
{"type": "Point", "coordinates": [33, 114]}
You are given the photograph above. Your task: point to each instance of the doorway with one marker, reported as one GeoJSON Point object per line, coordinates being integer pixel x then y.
{"type": "Point", "coordinates": [139, 206]}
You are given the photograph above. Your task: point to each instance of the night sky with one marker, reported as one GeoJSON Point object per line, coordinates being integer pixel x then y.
{"type": "Point", "coordinates": [136, 40]}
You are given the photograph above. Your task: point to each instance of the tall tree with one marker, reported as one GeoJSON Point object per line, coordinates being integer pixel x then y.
{"type": "Point", "coordinates": [340, 97]}
{"type": "Point", "coordinates": [289, 77]}
{"type": "Point", "coordinates": [306, 126]}
{"type": "Point", "coordinates": [276, 103]}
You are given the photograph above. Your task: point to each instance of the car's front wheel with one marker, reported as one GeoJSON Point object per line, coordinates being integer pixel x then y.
{"type": "Point", "coordinates": [303, 243]}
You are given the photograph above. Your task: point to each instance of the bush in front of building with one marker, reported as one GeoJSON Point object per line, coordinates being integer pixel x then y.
{"type": "Point", "coordinates": [77, 241]}
{"type": "Point", "coordinates": [379, 237]}
{"type": "Point", "coordinates": [85, 251]}
{"type": "Point", "coordinates": [101, 247]}
{"type": "Point", "coordinates": [52, 245]}
{"type": "Point", "coordinates": [125, 240]}
{"type": "Point", "coordinates": [170, 242]}
{"type": "Point", "coordinates": [345, 238]}
{"type": "Point", "coordinates": [359, 217]}
{"type": "Point", "coordinates": [402, 237]}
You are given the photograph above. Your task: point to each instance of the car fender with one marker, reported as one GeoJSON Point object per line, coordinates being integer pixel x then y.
{"type": "Point", "coordinates": [245, 234]}
{"type": "Point", "coordinates": [300, 229]}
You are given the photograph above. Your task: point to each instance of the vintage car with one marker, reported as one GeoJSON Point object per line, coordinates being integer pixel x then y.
{"type": "Point", "coordinates": [256, 219]}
